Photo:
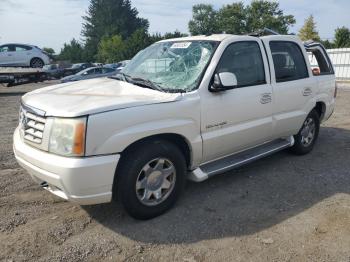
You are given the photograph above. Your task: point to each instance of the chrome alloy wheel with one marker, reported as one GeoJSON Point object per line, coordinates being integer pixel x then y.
{"type": "Point", "coordinates": [308, 132]}
{"type": "Point", "coordinates": [156, 181]}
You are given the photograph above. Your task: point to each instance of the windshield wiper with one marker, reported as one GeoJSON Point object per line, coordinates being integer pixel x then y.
{"type": "Point", "coordinates": [146, 83]}
{"type": "Point", "coordinates": [121, 76]}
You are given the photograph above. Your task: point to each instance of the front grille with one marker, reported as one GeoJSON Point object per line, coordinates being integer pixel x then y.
{"type": "Point", "coordinates": [32, 125]}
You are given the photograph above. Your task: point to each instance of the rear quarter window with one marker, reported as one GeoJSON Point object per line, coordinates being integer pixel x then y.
{"type": "Point", "coordinates": [319, 61]}
{"type": "Point", "coordinates": [288, 61]}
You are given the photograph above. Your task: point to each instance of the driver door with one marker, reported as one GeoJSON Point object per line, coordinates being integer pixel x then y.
{"type": "Point", "coordinates": [239, 118]}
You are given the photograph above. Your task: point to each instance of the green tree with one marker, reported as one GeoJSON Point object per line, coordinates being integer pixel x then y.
{"type": "Point", "coordinates": [107, 18]}
{"type": "Point", "coordinates": [239, 19]}
{"type": "Point", "coordinates": [49, 50]}
{"type": "Point", "coordinates": [175, 34]}
{"type": "Point", "coordinates": [232, 19]}
{"type": "Point", "coordinates": [139, 40]}
{"type": "Point", "coordinates": [73, 52]}
{"type": "Point", "coordinates": [111, 49]}
{"type": "Point", "coordinates": [327, 44]}
{"type": "Point", "coordinates": [308, 31]}
{"type": "Point", "coordinates": [342, 37]}
{"type": "Point", "coordinates": [204, 20]}
{"type": "Point", "coordinates": [261, 14]}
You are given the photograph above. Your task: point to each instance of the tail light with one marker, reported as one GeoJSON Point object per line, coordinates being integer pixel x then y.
{"type": "Point", "coordinates": [335, 90]}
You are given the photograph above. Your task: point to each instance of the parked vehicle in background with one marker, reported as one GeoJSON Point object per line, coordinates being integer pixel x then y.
{"type": "Point", "coordinates": [118, 66]}
{"type": "Point", "coordinates": [53, 71]}
{"type": "Point", "coordinates": [186, 108]}
{"type": "Point", "coordinates": [23, 55]}
{"type": "Point", "coordinates": [89, 73]}
{"type": "Point", "coordinates": [76, 68]}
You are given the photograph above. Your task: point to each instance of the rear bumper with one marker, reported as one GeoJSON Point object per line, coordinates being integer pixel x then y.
{"type": "Point", "coordinates": [85, 181]}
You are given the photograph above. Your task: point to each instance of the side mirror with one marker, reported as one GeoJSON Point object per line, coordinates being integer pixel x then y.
{"type": "Point", "coordinates": [223, 81]}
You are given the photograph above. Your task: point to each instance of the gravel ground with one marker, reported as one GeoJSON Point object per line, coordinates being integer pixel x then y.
{"type": "Point", "coordinates": [281, 208]}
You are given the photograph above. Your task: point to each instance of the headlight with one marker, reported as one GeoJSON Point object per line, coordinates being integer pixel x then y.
{"type": "Point", "coordinates": [67, 136]}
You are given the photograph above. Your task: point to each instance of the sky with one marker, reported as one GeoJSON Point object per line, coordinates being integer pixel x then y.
{"type": "Point", "coordinates": [51, 23]}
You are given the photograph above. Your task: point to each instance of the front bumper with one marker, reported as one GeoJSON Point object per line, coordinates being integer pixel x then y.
{"type": "Point", "coordinates": [86, 181]}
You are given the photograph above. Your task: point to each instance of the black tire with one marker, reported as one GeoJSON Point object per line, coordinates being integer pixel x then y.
{"type": "Point", "coordinates": [130, 169]}
{"type": "Point", "coordinates": [36, 63]}
{"type": "Point", "coordinates": [300, 146]}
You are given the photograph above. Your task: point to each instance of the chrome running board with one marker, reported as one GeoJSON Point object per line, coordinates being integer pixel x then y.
{"type": "Point", "coordinates": [227, 163]}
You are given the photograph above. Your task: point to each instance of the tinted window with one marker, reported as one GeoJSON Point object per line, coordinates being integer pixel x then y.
{"type": "Point", "coordinates": [90, 71]}
{"type": "Point", "coordinates": [22, 48]}
{"type": "Point", "coordinates": [107, 70]}
{"type": "Point", "coordinates": [288, 61]}
{"type": "Point", "coordinates": [98, 70]}
{"type": "Point", "coordinates": [245, 61]}
{"type": "Point", "coordinates": [4, 48]}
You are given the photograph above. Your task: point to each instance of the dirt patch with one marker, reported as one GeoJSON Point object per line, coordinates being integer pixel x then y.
{"type": "Point", "coordinates": [282, 208]}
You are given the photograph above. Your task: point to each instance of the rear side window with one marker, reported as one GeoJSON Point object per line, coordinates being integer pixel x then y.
{"type": "Point", "coordinates": [22, 48]}
{"type": "Point", "coordinates": [319, 62]}
{"type": "Point", "coordinates": [245, 61]}
{"type": "Point", "coordinates": [288, 60]}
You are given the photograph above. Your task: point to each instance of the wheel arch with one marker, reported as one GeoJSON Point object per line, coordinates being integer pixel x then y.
{"type": "Point", "coordinates": [178, 140]}
{"type": "Point", "coordinates": [320, 108]}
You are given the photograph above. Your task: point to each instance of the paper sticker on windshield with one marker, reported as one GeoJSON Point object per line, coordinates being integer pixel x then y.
{"type": "Point", "coordinates": [182, 45]}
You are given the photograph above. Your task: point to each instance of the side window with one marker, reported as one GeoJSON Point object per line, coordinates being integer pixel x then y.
{"type": "Point", "coordinates": [107, 70]}
{"type": "Point", "coordinates": [4, 48]}
{"type": "Point", "coordinates": [22, 48]}
{"type": "Point", "coordinates": [319, 62]}
{"type": "Point", "coordinates": [288, 61]}
{"type": "Point", "coordinates": [98, 70]}
{"type": "Point", "coordinates": [244, 59]}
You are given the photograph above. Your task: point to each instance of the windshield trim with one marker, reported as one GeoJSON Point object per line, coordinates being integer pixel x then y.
{"type": "Point", "coordinates": [201, 76]}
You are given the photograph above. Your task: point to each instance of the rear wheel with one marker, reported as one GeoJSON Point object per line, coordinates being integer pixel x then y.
{"type": "Point", "coordinates": [151, 178]}
{"type": "Point", "coordinates": [36, 63]}
{"type": "Point", "coordinates": [308, 134]}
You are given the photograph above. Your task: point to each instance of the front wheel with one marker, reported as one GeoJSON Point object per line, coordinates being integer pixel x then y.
{"type": "Point", "coordinates": [151, 178]}
{"type": "Point", "coordinates": [308, 134]}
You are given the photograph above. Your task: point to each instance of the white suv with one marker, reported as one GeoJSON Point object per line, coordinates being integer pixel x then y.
{"type": "Point", "coordinates": [23, 55]}
{"type": "Point", "coordinates": [186, 108]}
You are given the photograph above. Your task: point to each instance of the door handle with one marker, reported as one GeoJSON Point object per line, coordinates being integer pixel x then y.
{"type": "Point", "coordinates": [307, 91]}
{"type": "Point", "coordinates": [265, 98]}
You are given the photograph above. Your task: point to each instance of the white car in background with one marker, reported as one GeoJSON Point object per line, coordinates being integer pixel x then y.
{"type": "Point", "coordinates": [23, 55]}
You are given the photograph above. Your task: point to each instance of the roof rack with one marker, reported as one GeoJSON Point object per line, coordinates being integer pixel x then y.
{"type": "Point", "coordinates": [265, 31]}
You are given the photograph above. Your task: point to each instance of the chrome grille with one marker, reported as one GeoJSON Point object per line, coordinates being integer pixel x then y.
{"type": "Point", "coordinates": [32, 126]}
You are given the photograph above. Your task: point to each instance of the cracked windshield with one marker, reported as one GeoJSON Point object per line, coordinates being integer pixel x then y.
{"type": "Point", "coordinates": [172, 66]}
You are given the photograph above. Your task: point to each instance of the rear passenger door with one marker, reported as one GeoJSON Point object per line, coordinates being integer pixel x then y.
{"type": "Point", "coordinates": [293, 88]}
{"type": "Point", "coordinates": [22, 55]}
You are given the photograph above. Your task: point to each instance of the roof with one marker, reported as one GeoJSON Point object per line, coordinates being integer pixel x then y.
{"type": "Point", "coordinates": [222, 37]}
{"type": "Point", "coordinates": [17, 44]}
{"type": "Point", "coordinates": [216, 37]}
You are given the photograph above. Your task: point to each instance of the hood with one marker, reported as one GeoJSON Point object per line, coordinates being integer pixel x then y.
{"type": "Point", "coordinates": [93, 96]}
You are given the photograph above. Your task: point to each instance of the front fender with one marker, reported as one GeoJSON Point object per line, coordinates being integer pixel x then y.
{"type": "Point", "coordinates": [112, 132]}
